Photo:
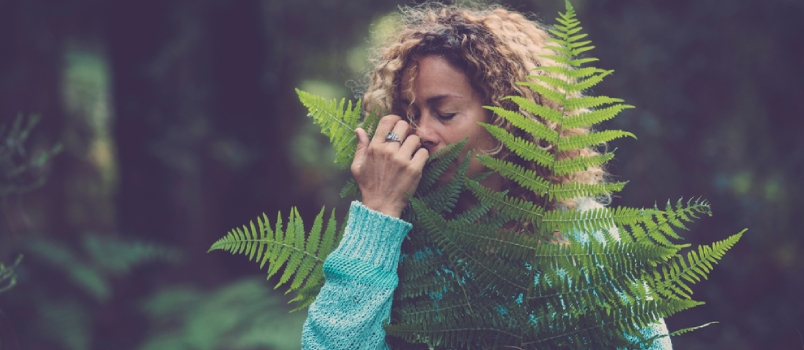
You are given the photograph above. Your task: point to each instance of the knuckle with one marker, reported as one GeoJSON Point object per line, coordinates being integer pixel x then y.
{"type": "Point", "coordinates": [389, 157]}
{"type": "Point", "coordinates": [390, 119]}
{"type": "Point", "coordinates": [413, 168]}
{"type": "Point", "coordinates": [399, 160]}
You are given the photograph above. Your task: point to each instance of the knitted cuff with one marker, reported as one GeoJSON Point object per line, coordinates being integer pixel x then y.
{"type": "Point", "coordinates": [372, 237]}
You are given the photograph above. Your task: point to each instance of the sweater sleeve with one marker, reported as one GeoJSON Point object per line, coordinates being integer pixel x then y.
{"type": "Point", "coordinates": [360, 279]}
{"type": "Point", "coordinates": [658, 329]}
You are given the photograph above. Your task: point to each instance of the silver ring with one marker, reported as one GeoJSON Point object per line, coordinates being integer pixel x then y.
{"type": "Point", "coordinates": [392, 137]}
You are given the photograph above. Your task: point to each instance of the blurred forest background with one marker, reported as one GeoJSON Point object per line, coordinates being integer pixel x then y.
{"type": "Point", "coordinates": [177, 121]}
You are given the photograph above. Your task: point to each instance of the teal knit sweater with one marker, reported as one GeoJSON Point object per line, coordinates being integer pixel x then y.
{"type": "Point", "coordinates": [355, 301]}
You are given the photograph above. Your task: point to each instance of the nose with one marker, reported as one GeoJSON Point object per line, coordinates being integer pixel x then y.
{"type": "Point", "coordinates": [425, 130]}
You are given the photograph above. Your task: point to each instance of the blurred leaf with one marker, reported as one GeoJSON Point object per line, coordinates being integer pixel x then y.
{"type": "Point", "coordinates": [20, 170]}
{"type": "Point", "coordinates": [8, 277]}
{"type": "Point", "coordinates": [171, 302]}
{"type": "Point", "coordinates": [52, 252]}
{"type": "Point", "coordinates": [91, 281]}
{"type": "Point", "coordinates": [104, 257]}
{"type": "Point", "coordinates": [66, 323]}
{"type": "Point", "coordinates": [242, 315]}
{"type": "Point", "coordinates": [118, 257]}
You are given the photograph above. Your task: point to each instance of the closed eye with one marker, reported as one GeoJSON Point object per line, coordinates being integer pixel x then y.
{"type": "Point", "coordinates": [447, 116]}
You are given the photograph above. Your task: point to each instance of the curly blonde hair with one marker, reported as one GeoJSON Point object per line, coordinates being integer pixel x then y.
{"type": "Point", "coordinates": [495, 48]}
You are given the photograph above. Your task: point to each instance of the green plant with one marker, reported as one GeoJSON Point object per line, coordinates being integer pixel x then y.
{"type": "Point", "coordinates": [18, 169]}
{"type": "Point", "coordinates": [20, 172]}
{"type": "Point", "coordinates": [241, 315]}
{"type": "Point", "coordinates": [93, 267]}
{"type": "Point", "coordinates": [74, 282]}
{"type": "Point", "coordinates": [471, 280]}
{"type": "Point", "coordinates": [7, 276]}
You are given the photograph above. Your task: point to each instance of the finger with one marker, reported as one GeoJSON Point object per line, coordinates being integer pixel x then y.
{"type": "Point", "coordinates": [360, 151]}
{"type": "Point", "coordinates": [419, 158]}
{"type": "Point", "coordinates": [409, 147]}
{"type": "Point", "coordinates": [362, 143]}
{"type": "Point", "coordinates": [401, 129]}
{"type": "Point", "coordinates": [386, 124]}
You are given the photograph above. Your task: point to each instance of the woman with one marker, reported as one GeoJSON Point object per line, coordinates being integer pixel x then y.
{"type": "Point", "coordinates": [443, 65]}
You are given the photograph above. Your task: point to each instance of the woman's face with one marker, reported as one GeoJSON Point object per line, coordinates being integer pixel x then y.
{"type": "Point", "coordinates": [446, 109]}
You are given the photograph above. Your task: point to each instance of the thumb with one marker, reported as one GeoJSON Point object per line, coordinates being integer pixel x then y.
{"type": "Point", "coordinates": [362, 145]}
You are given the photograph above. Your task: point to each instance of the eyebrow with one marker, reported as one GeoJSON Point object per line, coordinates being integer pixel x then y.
{"type": "Point", "coordinates": [432, 100]}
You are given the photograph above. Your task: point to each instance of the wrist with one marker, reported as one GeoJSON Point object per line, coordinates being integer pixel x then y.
{"type": "Point", "coordinates": [384, 207]}
{"type": "Point", "coordinates": [372, 237]}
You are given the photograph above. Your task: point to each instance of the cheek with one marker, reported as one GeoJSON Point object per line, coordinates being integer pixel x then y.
{"type": "Point", "coordinates": [482, 140]}
{"type": "Point", "coordinates": [475, 167]}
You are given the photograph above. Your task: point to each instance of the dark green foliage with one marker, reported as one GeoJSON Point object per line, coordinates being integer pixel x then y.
{"type": "Point", "coordinates": [491, 276]}
{"type": "Point", "coordinates": [245, 314]}
{"type": "Point", "coordinates": [68, 281]}
{"type": "Point", "coordinates": [92, 267]}
{"type": "Point", "coordinates": [7, 276]}
{"type": "Point", "coordinates": [19, 169]}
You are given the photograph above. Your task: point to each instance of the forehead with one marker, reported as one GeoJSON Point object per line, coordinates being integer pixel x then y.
{"type": "Point", "coordinates": [433, 76]}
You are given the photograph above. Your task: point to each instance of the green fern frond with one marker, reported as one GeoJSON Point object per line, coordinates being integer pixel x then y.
{"type": "Point", "coordinates": [568, 86]}
{"type": "Point", "coordinates": [474, 213]}
{"type": "Point", "coordinates": [578, 164]}
{"type": "Point", "coordinates": [426, 285]}
{"type": "Point", "coordinates": [649, 311]}
{"type": "Point", "coordinates": [576, 103]}
{"type": "Point", "coordinates": [370, 123]}
{"type": "Point", "coordinates": [525, 149]}
{"type": "Point", "coordinates": [437, 164]}
{"type": "Point", "coordinates": [570, 62]}
{"type": "Point", "coordinates": [658, 226]}
{"type": "Point", "coordinates": [338, 121]}
{"type": "Point", "coordinates": [534, 108]}
{"type": "Point", "coordinates": [546, 92]}
{"type": "Point", "coordinates": [584, 84]}
{"type": "Point", "coordinates": [424, 278]}
{"type": "Point", "coordinates": [302, 255]}
{"type": "Point", "coordinates": [568, 72]}
{"type": "Point", "coordinates": [594, 117]}
{"type": "Point", "coordinates": [591, 139]}
{"type": "Point", "coordinates": [579, 190]}
{"type": "Point", "coordinates": [524, 177]}
{"type": "Point", "coordinates": [514, 208]}
{"type": "Point", "coordinates": [690, 329]}
{"type": "Point", "coordinates": [445, 197]}
{"type": "Point", "coordinates": [592, 220]}
{"type": "Point", "coordinates": [672, 282]}
{"type": "Point", "coordinates": [558, 84]}
{"type": "Point", "coordinates": [538, 130]}
{"type": "Point", "coordinates": [447, 331]}
{"type": "Point", "coordinates": [447, 238]}
{"type": "Point", "coordinates": [350, 189]}
{"type": "Point", "coordinates": [306, 296]}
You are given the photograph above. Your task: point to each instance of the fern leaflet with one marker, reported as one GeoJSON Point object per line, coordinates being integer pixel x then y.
{"type": "Point", "coordinates": [302, 254]}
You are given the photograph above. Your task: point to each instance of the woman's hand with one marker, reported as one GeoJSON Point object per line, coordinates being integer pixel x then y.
{"type": "Point", "coordinates": [387, 171]}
